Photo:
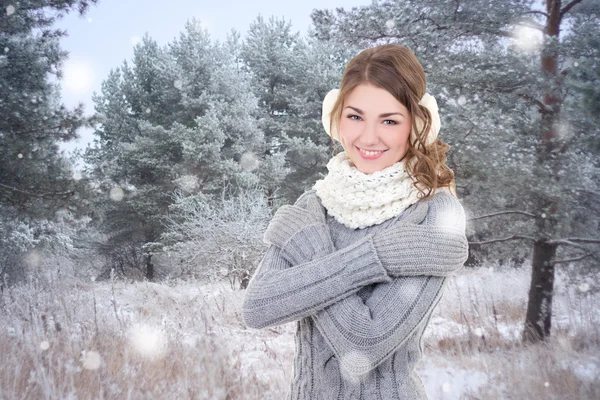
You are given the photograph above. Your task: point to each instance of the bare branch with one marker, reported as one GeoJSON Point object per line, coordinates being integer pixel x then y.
{"type": "Point", "coordinates": [595, 194]}
{"type": "Point", "coordinates": [540, 105]}
{"type": "Point", "coordinates": [577, 246]}
{"type": "Point", "coordinates": [40, 195]}
{"type": "Point", "coordinates": [566, 260]}
{"type": "Point", "coordinates": [514, 237]}
{"type": "Point", "coordinates": [456, 10]}
{"type": "Point", "coordinates": [537, 12]}
{"type": "Point", "coordinates": [532, 25]}
{"type": "Point", "coordinates": [501, 213]}
{"type": "Point", "coordinates": [576, 240]}
{"type": "Point", "coordinates": [568, 7]}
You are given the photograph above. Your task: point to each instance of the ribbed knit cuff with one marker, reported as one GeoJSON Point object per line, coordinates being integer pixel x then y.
{"type": "Point", "coordinates": [307, 244]}
{"type": "Point", "coordinates": [362, 263]}
{"type": "Point", "coordinates": [282, 227]}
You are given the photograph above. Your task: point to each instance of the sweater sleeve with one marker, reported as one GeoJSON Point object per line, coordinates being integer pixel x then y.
{"type": "Point", "coordinates": [279, 292]}
{"type": "Point", "coordinates": [438, 246]}
{"type": "Point", "coordinates": [364, 334]}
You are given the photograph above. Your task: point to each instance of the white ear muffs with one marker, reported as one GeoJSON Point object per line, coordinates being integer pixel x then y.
{"type": "Point", "coordinates": [328, 103]}
{"type": "Point", "coordinates": [427, 100]}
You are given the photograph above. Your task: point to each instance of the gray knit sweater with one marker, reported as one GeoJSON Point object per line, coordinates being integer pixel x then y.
{"type": "Point", "coordinates": [361, 297]}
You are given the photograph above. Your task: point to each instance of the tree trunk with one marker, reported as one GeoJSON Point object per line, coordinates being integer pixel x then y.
{"type": "Point", "coordinates": [245, 280]}
{"type": "Point", "coordinates": [270, 198]}
{"type": "Point", "coordinates": [539, 308]}
{"type": "Point", "coordinates": [538, 320]}
{"type": "Point", "coordinates": [149, 268]}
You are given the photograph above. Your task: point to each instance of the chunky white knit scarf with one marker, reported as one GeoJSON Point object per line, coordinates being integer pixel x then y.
{"type": "Point", "coordinates": [359, 200]}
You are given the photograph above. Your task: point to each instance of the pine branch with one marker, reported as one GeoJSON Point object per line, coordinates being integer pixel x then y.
{"type": "Point", "coordinates": [514, 237]}
{"type": "Point", "coordinates": [501, 213]}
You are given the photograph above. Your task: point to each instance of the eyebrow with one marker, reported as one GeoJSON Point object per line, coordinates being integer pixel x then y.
{"type": "Point", "coordinates": [384, 115]}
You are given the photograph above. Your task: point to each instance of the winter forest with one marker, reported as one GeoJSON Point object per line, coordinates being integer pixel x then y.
{"type": "Point", "coordinates": [123, 265]}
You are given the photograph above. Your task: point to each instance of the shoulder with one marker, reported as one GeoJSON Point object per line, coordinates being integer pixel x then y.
{"type": "Point", "coordinates": [443, 204]}
{"type": "Point", "coordinates": [444, 198]}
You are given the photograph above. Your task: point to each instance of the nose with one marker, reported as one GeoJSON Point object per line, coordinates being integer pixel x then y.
{"type": "Point", "coordinates": [369, 135]}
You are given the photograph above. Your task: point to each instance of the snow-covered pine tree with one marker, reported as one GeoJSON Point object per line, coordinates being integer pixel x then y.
{"type": "Point", "coordinates": [36, 180]}
{"type": "Point", "coordinates": [182, 117]}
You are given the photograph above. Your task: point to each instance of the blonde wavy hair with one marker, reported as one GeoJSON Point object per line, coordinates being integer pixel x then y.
{"type": "Point", "coordinates": [396, 69]}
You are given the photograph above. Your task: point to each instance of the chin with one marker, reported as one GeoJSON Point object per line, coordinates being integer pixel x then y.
{"type": "Point", "coordinates": [369, 168]}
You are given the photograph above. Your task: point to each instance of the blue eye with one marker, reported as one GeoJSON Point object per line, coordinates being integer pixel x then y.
{"type": "Point", "coordinates": [354, 117]}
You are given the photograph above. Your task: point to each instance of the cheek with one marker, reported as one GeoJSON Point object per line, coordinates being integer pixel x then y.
{"type": "Point", "coordinates": [401, 137]}
{"type": "Point", "coordinates": [348, 131]}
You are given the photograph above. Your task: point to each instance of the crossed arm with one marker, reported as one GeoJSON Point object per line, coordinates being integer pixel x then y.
{"type": "Point", "coordinates": [408, 264]}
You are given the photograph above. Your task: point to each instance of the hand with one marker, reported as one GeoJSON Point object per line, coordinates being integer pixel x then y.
{"type": "Point", "coordinates": [288, 220]}
{"type": "Point", "coordinates": [301, 233]}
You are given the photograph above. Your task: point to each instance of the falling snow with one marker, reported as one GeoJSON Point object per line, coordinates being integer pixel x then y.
{"type": "Point", "coordinates": [91, 360]}
{"type": "Point", "coordinates": [33, 258]}
{"type": "Point", "coordinates": [584, 287]}
{"type": "Point", "coordinates": [10, 10]}
{"type": "Point", "coordinates": [527, 39]}
{"type": "Point", "coordinates": [249, 162]}
{"type": "Point", "coordinates": [189, 183]}
{"type": "Point", "coordinates": [148, 341]}
{"type": "Point", "coordinates": [116, 194]}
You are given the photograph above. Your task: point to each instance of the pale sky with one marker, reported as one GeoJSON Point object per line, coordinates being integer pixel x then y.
{"type": "Point", "coordinates": [106, 35]}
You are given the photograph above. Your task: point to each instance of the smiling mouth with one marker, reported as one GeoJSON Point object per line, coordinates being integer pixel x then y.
{"type": "Point", "coordinates": [370, 153]}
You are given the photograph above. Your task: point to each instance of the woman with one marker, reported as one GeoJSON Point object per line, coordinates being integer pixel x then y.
{"type": "Point", "coordinates": [360, 261]}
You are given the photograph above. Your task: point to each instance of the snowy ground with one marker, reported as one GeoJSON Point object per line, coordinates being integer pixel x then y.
{"type": "Point", "coordinates": [186, 340]}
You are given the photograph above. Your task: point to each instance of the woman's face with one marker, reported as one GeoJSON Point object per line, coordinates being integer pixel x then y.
{"type": "Point", "coordinates": [374, 128]}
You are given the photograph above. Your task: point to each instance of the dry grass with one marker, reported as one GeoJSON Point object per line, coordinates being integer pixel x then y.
{"type": "Point", "coordinates": [483, 338]}
{"type": "Point", "coordinates": [54, 346]}
{"type": "Point", "coordinates": [187, 341]}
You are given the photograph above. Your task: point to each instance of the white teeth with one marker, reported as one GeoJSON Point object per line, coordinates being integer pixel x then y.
{"type": "Point", "coordinates": [370, 153]}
